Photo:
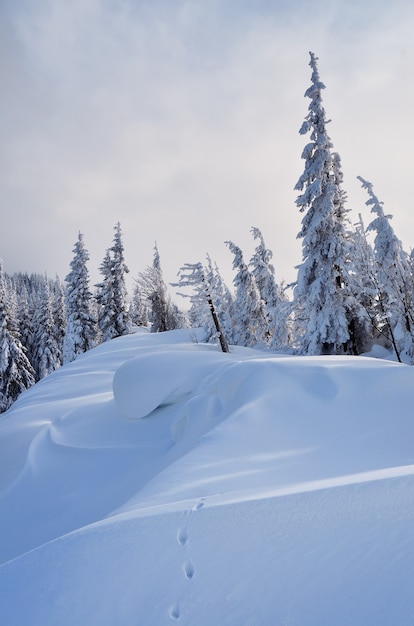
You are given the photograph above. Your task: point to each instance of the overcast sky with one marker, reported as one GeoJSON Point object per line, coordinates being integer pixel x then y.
{"type": "Point", "coordinates": [180, 119]}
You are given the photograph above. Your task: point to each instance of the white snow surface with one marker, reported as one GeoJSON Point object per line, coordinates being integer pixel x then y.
{"type": "Point", "coordinates": [155, 480]}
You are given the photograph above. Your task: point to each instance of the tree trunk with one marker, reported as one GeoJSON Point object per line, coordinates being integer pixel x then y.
{"type": "Point", "coordinates": [223, 342]}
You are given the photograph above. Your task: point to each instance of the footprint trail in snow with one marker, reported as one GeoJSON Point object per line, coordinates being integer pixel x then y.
{"type": "Point", "coordinates": [188, 566]}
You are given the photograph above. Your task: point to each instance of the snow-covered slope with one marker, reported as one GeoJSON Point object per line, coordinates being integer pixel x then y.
{"type": "Point", "coordinates": [156, 480]}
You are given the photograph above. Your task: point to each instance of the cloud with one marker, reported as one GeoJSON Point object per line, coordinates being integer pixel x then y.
{"type": "Point", "coordinates": [181, 120]}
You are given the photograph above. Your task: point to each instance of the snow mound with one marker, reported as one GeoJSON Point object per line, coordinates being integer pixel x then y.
{"type": "Point", "coordinates": [261, 489]}
{"type": "Point", "coordinates": [150, 381]}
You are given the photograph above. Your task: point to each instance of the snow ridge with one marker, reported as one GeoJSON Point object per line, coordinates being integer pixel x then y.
{"type": "Point", "coordinates": [156, 480]}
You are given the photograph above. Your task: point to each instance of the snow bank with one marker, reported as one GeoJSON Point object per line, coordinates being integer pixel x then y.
{"type": "Point", "coordinates": [279, 425]}
{"type": "Point", "coordinates": [152, 380]}
{"type": "Point", "coordinates": [258, 490]}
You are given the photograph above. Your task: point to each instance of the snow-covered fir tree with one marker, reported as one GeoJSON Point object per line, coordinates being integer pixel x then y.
{"type": "Point", "coordinates": [16, 372]}
{"type": "Point", "coordinates": [222, 297]}
{"type": "Point", "coordinates": [46, 350]}
{"type": "Point", "coordinates": [199, 315]}
{"type": "Point", "coordinates": [194, 275]}
{"type": "Point", "coordinates": [58, 314]}
{"type": "Point", "coordinates": [321, 306]}
{"type": "Point", "coordinates": [364, 283]}
{"type": "Point", "coordinates": [138, 308]}
{"type": "Point", "coordinates": [81, 324]}
{"type": "Point", "coordinates": [263, 270]}
{"type": "Point", "coordinates": [28, 289]}
{"type": "Point", "coordinates": [113, 316]}
{"type": "Point", "coordinates": [345, 234]}
{"type": "Point", "coordinates": [119, 269]}
{"type": "Point", "coordinates": [394, 302]}
{"type": "Point", "coordinates": [276, 305]}
{"type": "Point", "coordinates": [163, 313]}
{"type": "Point", "coordinates": [251, 324]}
{"type": "Point", "coordinates": [210, 291]}
{"type": "Point", "coordinates": [24, 317]}
{"type": "Point", "coordinates": [104, 297]}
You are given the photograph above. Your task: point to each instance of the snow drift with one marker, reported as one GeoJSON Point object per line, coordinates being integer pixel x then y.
{"type": "Point", "coordinates": [156, 480]}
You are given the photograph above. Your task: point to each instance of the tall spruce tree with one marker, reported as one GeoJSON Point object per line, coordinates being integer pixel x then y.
{"type": "Point", "coordinates": [275, 303]}
{"type": "Point", "coordinates": [46, 354]}
{"type": "Point", "coordinates": [16, 372]}
{"type": "Point", "coordinates": [251, 328]}
{"type": "Point", "coordinates": [138, 309]}
{"type": "Point", "coordinates": [113, 318]}
{"type": "Point", "coordinates": [321, 305]}
{"type": "Point", "coordinates": [194, 275]}
{"type": "Point", "coordinates": [163, 314]}
{"type": "Point", "coordinates": [394, 301]}
{"type": "Point", "coordinates": [119, 269]}
{"type": "Point", "coordinates": [364, 283]}
{"type": "Point", "coordinates": [25, 317]}
{"type": "Point", "coordinates": [81, 325]}
{"type": "Point", "coordinates": [222, 298]}
{"type": "Point", "coordinates": [105, 300]}
{"type": "Point", "coordinates": [59, 314]}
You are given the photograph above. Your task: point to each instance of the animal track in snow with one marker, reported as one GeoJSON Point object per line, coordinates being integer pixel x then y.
{"type": "Point", "coordinates": [175, 612]}
{"type": "Point", "coordinates": [198, 506]}
{"type": "Point", "coordinates": [189, 570]}
{"type": "Point", "coordinates": [182, 536]}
